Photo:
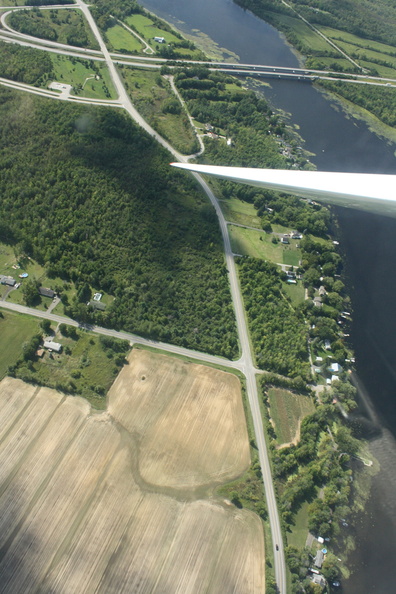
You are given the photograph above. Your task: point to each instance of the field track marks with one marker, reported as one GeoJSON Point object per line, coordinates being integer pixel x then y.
{"type": "Point", "coordinates": [15, 397]}
{"type": "Point", "coordinates": [30, 479]}
{"type": "Point", "coordinates": [30, 554]}
{"type": "Point", "coordinates": [84, 561]}
{"type": "Point", "coordinates": [144, 547]}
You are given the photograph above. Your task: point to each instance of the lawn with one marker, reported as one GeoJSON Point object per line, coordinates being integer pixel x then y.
{"type": "Point", "coordinates": [298, 536]}
{"type": "Point", "coordinates": [258, 244]}
{"type": "Point", "coordinates": [84, 367]}
{"type": "Point", "coordinates": [15, 330]}
{"type": "Point", "coordinates": [121, 39]}
{"type": "Point", "coordinates": [148, 30]}
{"type": "Point", "coordinates": [295, 292]}
{"type": "Point", "coordinates": [76, 71]}
{"type": "Point", "coordinates": [287, 411]}
{"type": "Point", "coordinates": [243, 213]}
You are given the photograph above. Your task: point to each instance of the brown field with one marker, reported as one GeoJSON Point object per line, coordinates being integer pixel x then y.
{"type": "Point", "coordinates": [75, 516]}
{"type": "Point", "coordinates": [189, 420]}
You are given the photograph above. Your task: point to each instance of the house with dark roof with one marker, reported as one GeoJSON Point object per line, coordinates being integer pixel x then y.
{"type": "Point", "coordinates": [44, 292]}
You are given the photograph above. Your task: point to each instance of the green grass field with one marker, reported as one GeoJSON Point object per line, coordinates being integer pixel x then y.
{"type": "Point", "coordinates": [258, 244]}
{"type": "Point", "coordinates": [295, 292]}
{"type": "Point", "coordinates": [287, 410]}
{"type": "Point", "coordinates": [148, 30]}
{"type": "Point", "coordinates": [83, 367]}
{"type": "Point", "coordinates": [150, 92]}
{"type": "Point", "coordinates": [298, 536]}
{"type": "Point", "coordinates": [121, 39]}
{"type": "Point", "coordinates": [15, 330]}
{"type": "Point", "coordinates": [240, 212]}
{"type": "Point", "coordinates": [75, 72]}
{"type": "Point", "coordinates": [305, 34]}
{"type": "Point", "coordinates": [336, 35]}
{"type": "Point", "coordinates": [12, 3]}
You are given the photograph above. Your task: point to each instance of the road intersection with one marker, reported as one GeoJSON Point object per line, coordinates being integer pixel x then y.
{"type": "Point", "coordinates": [246, 362]}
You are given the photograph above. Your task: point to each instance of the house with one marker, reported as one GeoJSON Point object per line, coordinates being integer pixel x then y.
{"type": "Point", "coordinates": [327, 344]}
{"type": "Point", "coordinates": [159, 39]}
{"type": "Point", "coordinates": [322, 291]}
{"type": "Point", "coordinates": [319, 558]}
{"type": "Point", "coordinates": [285, 239]}
{"type": "Point", "coordinates": [7, 280]}
{"type": "Point", "coordinates": [297, 236]}
{"type": "Point", "coordinates": [44, 292]}
{"type": "Point", "coordinates": [317, 301]}
{"type": "Point", "coordinates": [335, 368]}
{"type": "Point", "coordinates": [290, 274]}
{"type": "Point", "coordinates": [317, 578]}
{"type": "Point", "coordinates": [97, 305]}
{"type": "Point", "coordinates": [52, 346]}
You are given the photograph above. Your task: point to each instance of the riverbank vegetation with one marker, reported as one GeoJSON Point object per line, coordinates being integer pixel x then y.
{"type": "Point", "coordinates": [363, 31]}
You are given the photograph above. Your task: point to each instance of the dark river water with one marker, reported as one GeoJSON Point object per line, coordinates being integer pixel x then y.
{"type": "Point", "coordinates": [339, 143]}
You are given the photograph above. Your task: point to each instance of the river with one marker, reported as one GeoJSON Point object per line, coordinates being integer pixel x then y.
{"type": "Point", "coordinates": [339, 143]}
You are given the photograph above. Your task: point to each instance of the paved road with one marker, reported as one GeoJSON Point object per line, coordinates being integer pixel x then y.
{"type": "Point", "coordinates": [245, 363]}
{"type": "Point", "coordinates": [132, 338]}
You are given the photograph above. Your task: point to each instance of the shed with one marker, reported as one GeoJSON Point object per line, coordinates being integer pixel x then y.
{"type": "Point", "coordinates": [285, 240]}
{"type": "Point", "coordinates": [52, 346]}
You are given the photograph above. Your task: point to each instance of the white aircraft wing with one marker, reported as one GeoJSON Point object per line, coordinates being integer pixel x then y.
{"type": "Point", "coordinates": [365, 191]}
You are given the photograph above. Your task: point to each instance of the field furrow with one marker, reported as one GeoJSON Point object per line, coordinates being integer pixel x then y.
{"type": "Point", "coordinates": [44, 456]}
{"type": "Point", "coordinates": [144, 547]}
{"type": "Point", "coordinates": [15, 395]}
{"type": "Point", "coordinates": [15, 444]}
{"type": "Point", "coordinates": [193, 555]}
{"type": "Point", "coordinates": [84, 562]}
{"type": "Point", "coordinates": [30, 554]}
{"type": "Point", "coordinates": [240, 558]}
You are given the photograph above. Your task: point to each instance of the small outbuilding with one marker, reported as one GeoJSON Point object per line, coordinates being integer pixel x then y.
{"type": "Point", "coordinates": [159, 39]}
{"type": "Point", "coordinates": [52, 346]}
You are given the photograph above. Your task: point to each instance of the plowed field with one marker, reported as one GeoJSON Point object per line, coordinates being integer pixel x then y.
{"type": "Point", "coordinates": [74, 517]}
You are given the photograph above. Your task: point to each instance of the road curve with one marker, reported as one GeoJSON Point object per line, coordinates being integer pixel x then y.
{"type": "Point", "coordinates": [245, 363]}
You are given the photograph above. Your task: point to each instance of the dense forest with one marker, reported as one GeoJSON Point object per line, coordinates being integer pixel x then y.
{"type": "Point", "coordinates": [62, 26]}
{"type": "Point", "coordinates": [93, 199]}
{"type": "Point", "coordinates": [24, 64]}
{"type": "Point", "coordinates": [373, 20]}
{"type": "Point", "coordinates": [278, 331]}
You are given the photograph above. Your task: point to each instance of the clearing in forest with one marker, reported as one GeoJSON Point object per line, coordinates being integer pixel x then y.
{"type": "Point", "coordinates": [287, 410]}
{"type": "Point", "coordinates": [75, 514]}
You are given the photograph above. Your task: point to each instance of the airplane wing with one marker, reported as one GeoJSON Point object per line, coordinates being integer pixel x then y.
{"type": "Point", "coordinates": [365, 191]}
